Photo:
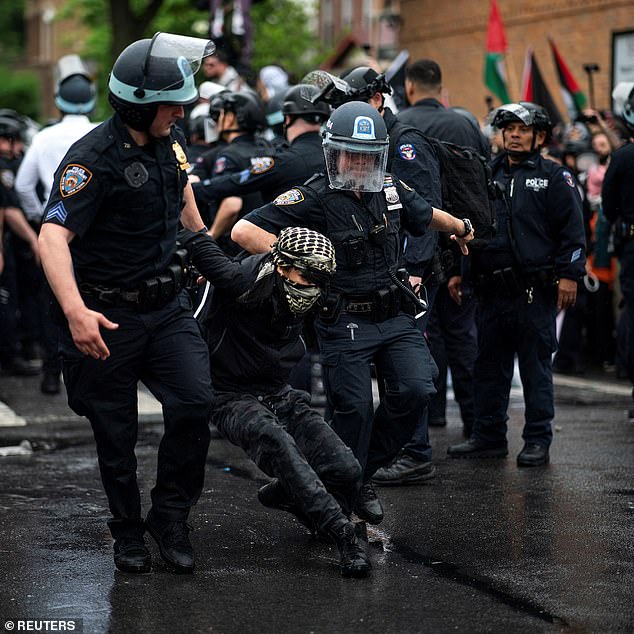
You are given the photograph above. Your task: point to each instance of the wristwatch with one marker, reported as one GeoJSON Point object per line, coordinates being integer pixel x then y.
{"type": "Point", "coordinates": [468, 228]}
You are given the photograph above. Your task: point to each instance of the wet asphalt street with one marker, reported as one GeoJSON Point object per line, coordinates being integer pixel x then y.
{"type": "Point", "coordinates": [484, 547]}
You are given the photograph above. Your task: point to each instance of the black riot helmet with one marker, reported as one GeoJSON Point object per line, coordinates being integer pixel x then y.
{"type": "Point", "coordinates": [530, 114]}
{"type": "Point", "coordinates": [366, 82]}
{"type": "Point", "coordinates": [149, 73]}
{"type": "Point", "coordinates": [246, 106]}
{"type": "Point", "coordinates": [355, 147]}
{"type": "Point", "coordinates": [12, 125]}
{"type": "Point", "coordinates": [299, 102]}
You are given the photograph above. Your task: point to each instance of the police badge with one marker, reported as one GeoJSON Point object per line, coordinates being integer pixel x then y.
{"type": "Point", "coordinates": [180, 155]}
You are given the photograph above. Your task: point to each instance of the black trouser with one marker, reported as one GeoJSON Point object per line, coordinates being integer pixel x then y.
{"type": "Point", "coordinates": [164, 349]}
{"type": "Point", "coordinates": [399, 351]}
{"type": "Point", "coordinates": [453, 342]}
{"type": "Point", "coordinates": [507, 327]}
{"type": "Point", "coordinates": [289, 440]}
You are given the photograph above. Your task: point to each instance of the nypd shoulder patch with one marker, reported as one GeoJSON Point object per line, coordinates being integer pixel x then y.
{"type": "Point", "coordinates": [58, 212]}
{"type": "Point", "coordinates": [74, 179]}
{"type": "Point", "coordinates": [261, 164]}
{"type": "Point", "coordinates": [291, 197]}
{"type": "Point", "coordinates": [568, 178]}
{"type": "Point", "coordinates": [407, 152]}
{"type": "Point", "coordinates": [220, 165]}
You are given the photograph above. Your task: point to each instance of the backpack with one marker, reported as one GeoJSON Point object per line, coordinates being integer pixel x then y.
{"type": "Point", "coordinates": [466, 180]}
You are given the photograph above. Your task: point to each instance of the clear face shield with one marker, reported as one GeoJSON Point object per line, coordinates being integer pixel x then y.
{"type": "Point", "coordinates": [355, 167]}
{"type": "Point", "coordinates": [187, 52]}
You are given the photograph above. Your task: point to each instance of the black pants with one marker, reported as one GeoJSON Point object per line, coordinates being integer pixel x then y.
{"type": "Point", "coordinates": [403, 361]}
{"type": "Point", "coordinates": [165, 350]}
{"type": "Point", "coordinates": [289, 440]}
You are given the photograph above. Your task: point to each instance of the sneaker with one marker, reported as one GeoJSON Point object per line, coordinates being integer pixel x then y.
{"type": "Point", "coordinates": [172, 538]}
{"type": "Point", "coordinates": [477, 449]}
{"type": "Point", "coordinates": [368, 506]}
{"type": "Point", "coordinates": [131, 555]}
{"type": "Point", "coordinates": [533, 455]}
{"type": "Point", "coordinates": [354, 560]}
{"type": "Point", "coordinates": [404, 470]}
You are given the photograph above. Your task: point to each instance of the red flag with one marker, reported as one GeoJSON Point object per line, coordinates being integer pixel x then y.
{"type": "Point", "coordinates": [496, 38]}
{"type": "Point", "coordinates": [494, 76]}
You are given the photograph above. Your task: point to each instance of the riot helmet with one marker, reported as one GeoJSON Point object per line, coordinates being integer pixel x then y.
{"type": "Point", "coordinates": [366, 82]}
{"type": "Point", "coordinates": [149, 73]}
{"type": "Point", "coordinates": [74, 90]}
{"type": "Point", "coordinates": [527, 113]}
{"type": "Point", "coordinates": [246, 106]}
{"type": "Point", "coordinates": [299, 101]}
{"type": "Point", "coordinates": [356, 147]}
{"type": "Point", "coordinates": [11, 125]}
{"type": "Point", "coordinates": [623, 96]}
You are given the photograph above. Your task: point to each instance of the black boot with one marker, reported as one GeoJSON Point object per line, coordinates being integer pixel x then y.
{"type": "Point", "coordinates": [50, 383]}
{"type": "Point", "coordinates": [368, 506]}
{"type": "Point", "coordinates": [354, 560]}
{"type": "Point", "coordinates": [172, 538]}
{"type": "Point", "coordinates": [477, 449]}
{"type": "Point", "coordinates": [131, 555]}
{"type": "Point", "coordinates": [533, 455]}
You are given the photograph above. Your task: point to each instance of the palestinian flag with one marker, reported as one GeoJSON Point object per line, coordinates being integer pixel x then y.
{"type": "Point", "coordinates": [574, 99]}
{"type": "Point", "coordinates": [534, 88]}
{"type": "Point", "coordinates": [494, 76]}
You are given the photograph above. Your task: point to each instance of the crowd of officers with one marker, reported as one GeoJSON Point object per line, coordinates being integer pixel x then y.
{"type": "Point", "coordinates": [314, 217]}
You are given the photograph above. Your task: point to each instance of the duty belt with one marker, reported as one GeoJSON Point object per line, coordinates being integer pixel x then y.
{"type": "Point", "coordinates": [379, 306]}
{"type": "Point", "coordinates": [151, 294]}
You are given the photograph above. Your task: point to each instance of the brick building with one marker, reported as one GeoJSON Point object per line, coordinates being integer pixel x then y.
{"type": "Point", "coordinates": [454, 34]}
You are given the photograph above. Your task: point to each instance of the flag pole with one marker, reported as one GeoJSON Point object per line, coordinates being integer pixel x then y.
{"type": "Point", "coordinates": [510, 69]}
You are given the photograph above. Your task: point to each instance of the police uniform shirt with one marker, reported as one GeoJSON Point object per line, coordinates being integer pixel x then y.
{"type": "Point", "coordinates": [204, 165]}
{"type": "Point", "coordinates": [271, 175]}
{"type": "Point", "coordinates": [545, 217]}
{"type": "Point", "coordinates": [413, 160]}
{"type": "Point", "coordinates": [433, 119]}
{"type": "Point", "coordinates": [349, 222]}
{"type": "Point", "coordinates": [122, 201]}
{"type": "Point", "coordinates": [618, 186]}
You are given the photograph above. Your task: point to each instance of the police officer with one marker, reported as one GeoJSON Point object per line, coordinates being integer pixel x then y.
{"type": "Point", "coordinates": [108, 246]}
{"type": "Point", "coordinates": [412, 159]}
{"type": "Point", "coordinates": [618, 206]}
{"type": "Point", "coordinates": [254, 325]}
{"type": "Point", "coordinates": [368, 316]}
{"type": "Point", "coordinates": [75, 98]}
{"type": "Point", "coordinates": [19, 281]}
{"type": "Point", "coordinates": [292, 166]}
{"type": "Point", "coordinates": [527, 273]}
{"type": "Point", "coordinates": [450, 326]}
{"type": "Point", "coordinates": [238, 116]}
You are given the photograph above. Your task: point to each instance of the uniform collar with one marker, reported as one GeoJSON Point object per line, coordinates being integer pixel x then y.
{"type": "Point", "coordinates": [430, 102]}
{"type": "Point", "coordinates": [126, 146]}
